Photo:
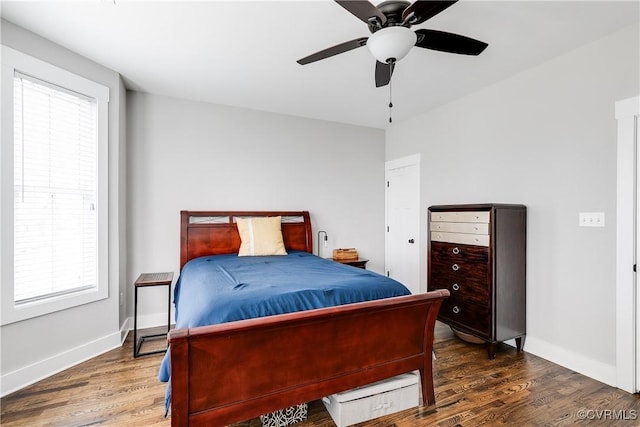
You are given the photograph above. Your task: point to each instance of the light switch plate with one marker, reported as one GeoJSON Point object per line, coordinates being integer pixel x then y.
{"type": "Point", "coordinates": [591, 219]}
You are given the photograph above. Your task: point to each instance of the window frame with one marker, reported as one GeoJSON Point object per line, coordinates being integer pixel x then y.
{"type": "Point", "coordinates": [12, 61]}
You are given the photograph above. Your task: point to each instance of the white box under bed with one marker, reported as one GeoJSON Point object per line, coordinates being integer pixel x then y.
{"type": "Point", "coordinates": [374, 400]}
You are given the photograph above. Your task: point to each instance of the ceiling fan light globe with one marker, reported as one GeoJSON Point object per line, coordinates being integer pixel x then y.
{"type": "Point", "coordinates": [391, 43]}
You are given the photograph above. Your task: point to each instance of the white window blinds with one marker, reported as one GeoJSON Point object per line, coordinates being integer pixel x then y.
{"type": "Point", "coordinates": [55, 190]}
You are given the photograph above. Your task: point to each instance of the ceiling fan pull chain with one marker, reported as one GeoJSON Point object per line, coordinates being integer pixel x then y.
{"type": "Point", "coordinates": [390, 103]}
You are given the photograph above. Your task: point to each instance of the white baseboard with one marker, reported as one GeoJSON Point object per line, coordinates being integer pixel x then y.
{"type": "Point", "coordinates": [35, 372]}
{"type": "Point", "coordinates": [576, 362]}
{"type": "Point", "coordinates": [20, 378]}
{"type": "Point", "coordinates": [153, 320]}
{"type": "Point", "coordinates": [40, 370]}
{"type": "Point", "coordinates": [124, 329]}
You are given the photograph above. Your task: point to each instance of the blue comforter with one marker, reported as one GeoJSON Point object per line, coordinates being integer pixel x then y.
{"type": "Point", "coordinates": [225, 288]}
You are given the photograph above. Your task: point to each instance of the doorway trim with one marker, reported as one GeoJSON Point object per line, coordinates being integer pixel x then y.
{"type": "Point", "coordinates": [627, 322]}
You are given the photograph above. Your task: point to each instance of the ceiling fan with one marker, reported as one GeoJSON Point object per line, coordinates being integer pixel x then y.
{"type": "Point", "coordinates": [391, 37]}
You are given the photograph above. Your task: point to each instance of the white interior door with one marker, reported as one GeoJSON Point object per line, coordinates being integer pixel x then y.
{"type": "Point", "coordinates": [637, 244]}
{"type": "Point", "coordinates": [628, 246]}
{"type": "Point", "coordinates": [402, 242]}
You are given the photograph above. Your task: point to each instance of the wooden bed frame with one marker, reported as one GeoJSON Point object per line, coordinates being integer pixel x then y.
{"type": "Point", "coordinates": [230, 372]}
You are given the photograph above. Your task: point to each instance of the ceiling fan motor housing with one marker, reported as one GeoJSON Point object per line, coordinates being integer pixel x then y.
{"type": "Point", "coordinates": [392, 41]}
{"type": "Point", "coordinates": [391, 44]}
{"type": "Point", "coordinates": [392, 10]}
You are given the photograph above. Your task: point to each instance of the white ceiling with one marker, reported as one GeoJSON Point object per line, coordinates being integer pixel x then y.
{"type": "Point", "coordinates": [243, 53]}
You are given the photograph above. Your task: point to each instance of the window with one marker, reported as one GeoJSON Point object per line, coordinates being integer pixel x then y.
{"type": "Point", "coordinates": [57, 225]}
{"type": "Point", "coordinates": [55, 177]}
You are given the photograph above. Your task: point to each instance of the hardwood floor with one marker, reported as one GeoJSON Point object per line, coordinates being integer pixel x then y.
{"type": "Point", "coordinates": [115, 389]}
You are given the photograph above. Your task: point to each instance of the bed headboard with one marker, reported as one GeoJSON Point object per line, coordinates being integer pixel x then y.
{"type": "Point", "coordinates": [205, 233]}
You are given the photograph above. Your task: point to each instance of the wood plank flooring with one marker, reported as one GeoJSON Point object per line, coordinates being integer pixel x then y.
{"type": "Point", "coordinates": [519, 389]}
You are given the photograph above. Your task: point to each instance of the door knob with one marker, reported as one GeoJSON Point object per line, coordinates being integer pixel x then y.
{"type": "Point", "coordinates": [411, 241]}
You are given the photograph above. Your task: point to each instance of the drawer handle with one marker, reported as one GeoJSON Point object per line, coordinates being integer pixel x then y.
{"type": "Point", "coordinates": [455, 267]}
{"type": "Point", "coordinates": [456, 309]}
{"type": "Point", "coordinates": [455, 287]}
{"type": "Point", "coordinates": [455, 251]}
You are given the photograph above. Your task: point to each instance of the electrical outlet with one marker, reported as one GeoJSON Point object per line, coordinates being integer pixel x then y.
{"type": "Point", "coordinates": [591, 219]}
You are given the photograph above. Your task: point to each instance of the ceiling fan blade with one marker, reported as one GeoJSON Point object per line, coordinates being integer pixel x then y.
{"type": "Point", "coordinates": [334, 50]}
{"type": "Point", "coordinates": [383, 73]}
{"type": "Point", "coordinates": [449, 42]}
{"type": "Point", "coordinates": [424, 9]}
{"type": "Point", "coordinates": [364, 11]}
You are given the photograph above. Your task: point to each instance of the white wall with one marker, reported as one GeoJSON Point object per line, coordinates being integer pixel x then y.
{"type": "Point", "coordinates": [545, 138]}
{"type": "Point", "coordinates": [186, 155]}
{"type": "Point", "coordinates": [36, 348]}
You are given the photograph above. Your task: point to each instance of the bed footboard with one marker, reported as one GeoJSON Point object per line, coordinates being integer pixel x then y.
{"type": "Point", "coordinates": [236, 371]}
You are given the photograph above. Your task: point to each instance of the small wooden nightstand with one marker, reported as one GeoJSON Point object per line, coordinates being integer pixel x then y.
{"type": "Point", "coordinates": [145, 280]}
{"type": "Point", "coordinates": [360, 263]}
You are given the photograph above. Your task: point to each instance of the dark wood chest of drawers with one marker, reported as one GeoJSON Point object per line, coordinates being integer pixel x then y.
{"type": "Point", "coordinates": [478, 253]}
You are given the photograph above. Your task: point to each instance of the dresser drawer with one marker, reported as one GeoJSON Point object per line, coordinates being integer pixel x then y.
{"type": "Point", "coordinates": [471, 272]}
{"type": "Point", "coordinates": [461, 216]}
{"type": "Point", "coordinates": [461, 238]}
{"type": "Point", "coordinates": [449, 252]}
{"type": "Point", "coordinates": [462, 288]}
{"type": "Point", "coordinates": [467, 315]}
{"type": "Point", "coordinates": [461, 227]}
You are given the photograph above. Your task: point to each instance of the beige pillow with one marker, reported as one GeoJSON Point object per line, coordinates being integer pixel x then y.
{"type": "Point", "coordinates": [260, 236]}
